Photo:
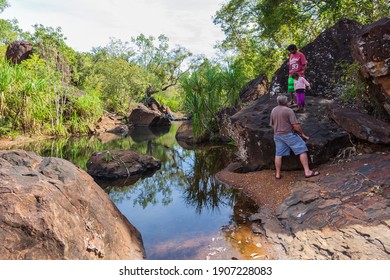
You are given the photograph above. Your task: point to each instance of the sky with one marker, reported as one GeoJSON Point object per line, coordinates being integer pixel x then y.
{"type": "Point", "coordinates": [91, 23]}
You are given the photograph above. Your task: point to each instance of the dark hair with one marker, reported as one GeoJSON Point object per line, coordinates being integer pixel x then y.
{"type": "Point", "coordinates": [291, 47]}
{"type": "Point", "coordinates": [295, 74]}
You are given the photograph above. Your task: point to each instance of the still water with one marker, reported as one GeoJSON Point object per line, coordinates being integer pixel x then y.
{"type": "Point", "coordinates": [181, 210]}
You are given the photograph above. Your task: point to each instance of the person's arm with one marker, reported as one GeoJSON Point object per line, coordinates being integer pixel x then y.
{"type": "Point", "coordinates": [306, 83]}
{"type": "Point", "coordinates": [297, 128]}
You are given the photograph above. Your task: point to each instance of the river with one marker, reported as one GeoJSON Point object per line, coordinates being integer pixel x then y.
{"type": "Point", "coordinates": [181, 210]}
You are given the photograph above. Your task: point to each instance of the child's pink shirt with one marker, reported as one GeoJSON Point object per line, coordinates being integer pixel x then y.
{"type": "Point", "coordinates": [301, 83]}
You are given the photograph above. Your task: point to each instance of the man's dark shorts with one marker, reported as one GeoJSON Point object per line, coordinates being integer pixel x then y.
{"type": "Point", "coordinates": [286, 143]}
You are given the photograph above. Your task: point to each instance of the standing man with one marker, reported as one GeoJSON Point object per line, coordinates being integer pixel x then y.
{"type": "Point", "coordinates": [286, 127]}
{"type": "Point", "coordinates": [297, 63]}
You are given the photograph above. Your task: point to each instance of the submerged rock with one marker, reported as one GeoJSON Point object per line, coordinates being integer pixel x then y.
{"type": "Point", "coordinates": [120, 164]}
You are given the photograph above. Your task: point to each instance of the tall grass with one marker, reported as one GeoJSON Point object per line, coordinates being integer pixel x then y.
{"type": "Point", "coordinates": [209, 90]}
{"type": "Point", "coordinates": [34, 100]}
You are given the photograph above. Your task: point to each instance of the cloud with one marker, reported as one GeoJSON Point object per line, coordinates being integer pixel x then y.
{"type": "Point", "coordinates": [88, 23]}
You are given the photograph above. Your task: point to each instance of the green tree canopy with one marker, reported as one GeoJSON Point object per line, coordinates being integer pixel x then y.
{"type": "Point", "coordinates": [254, 28]}
{"type": "Point", "coordinates": [167, 65]}
{"type": "Point", "coordinates": [3, 4]}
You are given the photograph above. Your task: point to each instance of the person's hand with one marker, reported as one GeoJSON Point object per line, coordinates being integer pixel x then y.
{"type": "Point", "coordinates": [309, 87]}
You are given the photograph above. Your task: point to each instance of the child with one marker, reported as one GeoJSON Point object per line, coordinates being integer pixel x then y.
{"type": "Point", "coordinates": [300, 84]}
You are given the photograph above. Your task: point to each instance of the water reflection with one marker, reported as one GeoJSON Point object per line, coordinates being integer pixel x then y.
{"type": "Point", "coordinates": [180, 208]}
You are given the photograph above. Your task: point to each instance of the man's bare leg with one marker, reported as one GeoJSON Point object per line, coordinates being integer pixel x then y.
{"type": "Point", "coordinates": [305, 163]}
{"type": "Point", "coordinates": [278, 165]}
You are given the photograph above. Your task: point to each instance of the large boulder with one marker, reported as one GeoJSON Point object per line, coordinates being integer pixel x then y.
{"type": "Point", "coordinates": [18, 51]}
{"type": "Point", "coordinates": [253, 135]}
{"type": "Point", "coordinates": [109, 123]}
{"type": "Point", "coordinates": [143, 116]}
{"type": "Point", "coordinates": [249, 93]}
{"type": "Point", "coordinates": [121, 164]}
{"type": "Point", "coordinates": [50, 209]}
{"type": "Point", "coordinates": [324, 55]}
{"type": "Point", "coordinates": [186, 138]}
{"type": "Point", "coordinates": [361, 125]}
{"type": "Point", "coordinates": [254, 89]}
{"type": "Point", "coordinates": [371, 48]}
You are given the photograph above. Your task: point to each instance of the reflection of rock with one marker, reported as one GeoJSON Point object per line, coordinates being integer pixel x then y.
{"type": "Point", "coordinates": [145, 133]}
{"type": "Point", "coordinates": [120, 163]}
{"type": "Point", "coordinates": [107, 137]}
{"type": "Point", "coordinates": [185, 136]}
{"type": "Point", "coordinates": [51, 209]}
{"type": "Point", "coordinates": [122, 182]}
{"type": "Point", "coordinates": [344, 215]}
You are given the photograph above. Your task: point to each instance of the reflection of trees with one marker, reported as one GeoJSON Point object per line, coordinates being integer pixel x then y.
{"type": "Point", "coordinates": [158, 188]}
{"type": "Point", "coordinates": [204, 191]}
{"type": "Point", "coordinates": [191, 171]}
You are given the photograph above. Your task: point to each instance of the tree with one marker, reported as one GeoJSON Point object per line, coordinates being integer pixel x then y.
{"type": "Point", "coordinates": [3, 4]}
{"type": "Point", "coordinates": [255, 29]}
{"type": "Point", "coordinates": [9, 30]}
{"type": "Point", "coordinates": [166, 65]}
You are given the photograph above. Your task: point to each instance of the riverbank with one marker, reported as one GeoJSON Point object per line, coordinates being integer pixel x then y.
{"type": "Point", "coordinates": [343, 213]}
{"type": "Point", "coordinates": [14, 142]}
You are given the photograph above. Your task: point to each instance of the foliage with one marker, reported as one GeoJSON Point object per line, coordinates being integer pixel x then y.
{"type": "Point", "coordinates": [170, 98]}
{"type": "Point", "coordinates": [258, 31]}
{"type": "Point", "coordinates": [120, 82]}
{"type": "Point", "coordinates": [208, 90]}
{"type": "Point", "coordinates": [356, 91]}
{"type": "Point", "coordinates": [34, 100]}
{"type": "Point", "coordinates": [9, 31]}
{"type": "Point", "coordinates": [3, 4]}
{"type": "Point", "coordinates": [353, 85]}
{"type": "Point", "coordinates": [59, 91]}
{"type": "Point", "coordinates": [165, 65]}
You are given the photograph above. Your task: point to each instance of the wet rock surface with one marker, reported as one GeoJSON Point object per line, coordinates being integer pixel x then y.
{"type": "Point", "coordinates": [51, 209]}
